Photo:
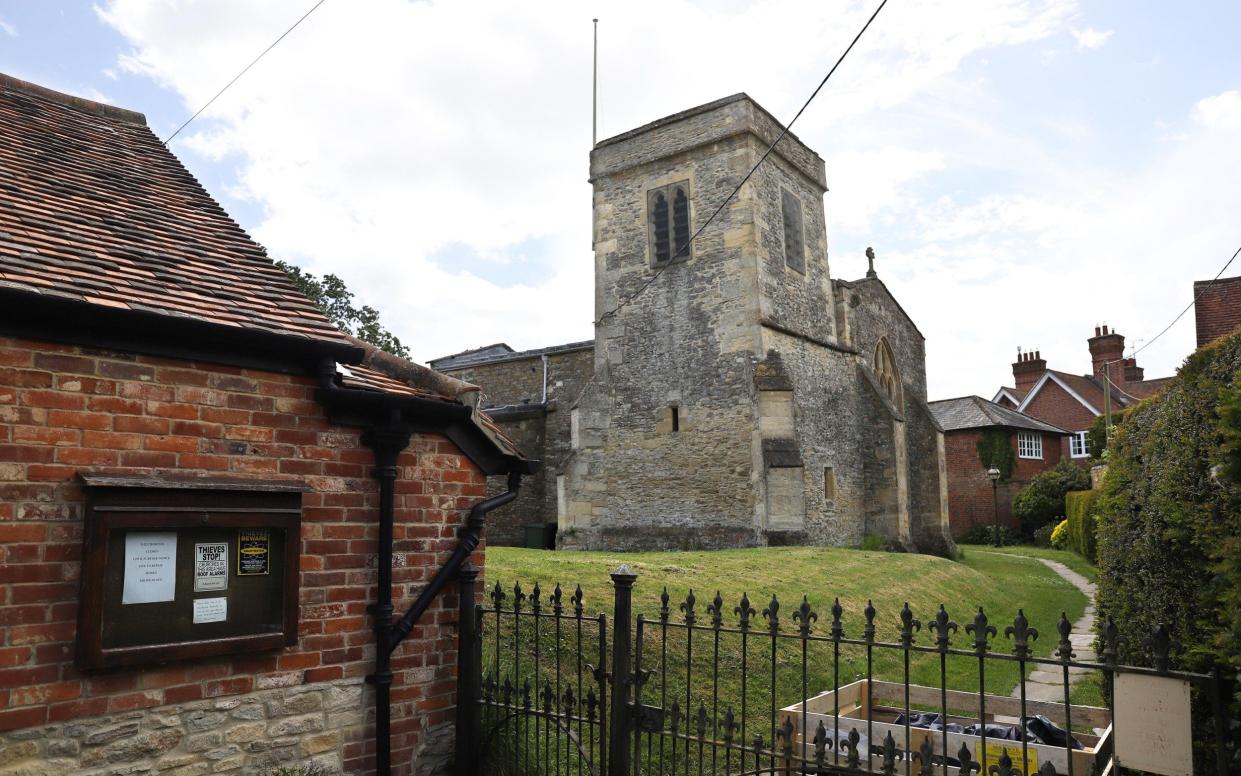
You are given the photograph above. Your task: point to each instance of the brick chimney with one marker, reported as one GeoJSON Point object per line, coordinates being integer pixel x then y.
{"type": "Point", "coordinates": [1133, 372]}
{"type": "Point", "coordinates": [1027, 369]}
{"type": "Point", "coordinates": [1107, 346]}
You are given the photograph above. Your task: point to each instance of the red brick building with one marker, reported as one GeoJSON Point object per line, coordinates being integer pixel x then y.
{"type": "Point", "coordinates": [1217, 308]}
{"type": "Point", "coordinates": [153, 357]}
{"type": "Point", "coordinates": [1072, 402]}
{"type": "Point", "coordinates": [1036, 447]}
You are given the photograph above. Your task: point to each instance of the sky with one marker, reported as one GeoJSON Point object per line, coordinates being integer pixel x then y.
{"type": "Point", "coordinates": [1024, 169]}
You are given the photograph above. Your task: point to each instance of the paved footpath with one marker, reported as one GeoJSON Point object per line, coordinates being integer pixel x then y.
{"type": "Point", "coordinates": [1048, 685]}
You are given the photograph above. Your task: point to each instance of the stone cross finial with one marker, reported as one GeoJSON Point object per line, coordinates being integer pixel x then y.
{"type": "Point", "coordinates": [870, 260]}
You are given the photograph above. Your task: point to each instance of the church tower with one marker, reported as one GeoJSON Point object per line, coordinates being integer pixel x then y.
{"type": "Point", "coordinates": [722, 411]}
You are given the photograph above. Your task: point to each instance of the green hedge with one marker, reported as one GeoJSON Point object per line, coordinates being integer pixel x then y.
{"type": "Point", "coordinates": [1169, 517]}
{"type": "Point", "coordinates": [1079, 510]}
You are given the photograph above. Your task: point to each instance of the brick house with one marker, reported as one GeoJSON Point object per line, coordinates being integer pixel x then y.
{"type": "Point", "coordinates": [1071, 401]}
{"type": "Point", "coordinates": [1036, 446]}
{"type": "Point", "coordinates": [155, 366]}
{"type": "Point", "coordinates": [1217, 308]}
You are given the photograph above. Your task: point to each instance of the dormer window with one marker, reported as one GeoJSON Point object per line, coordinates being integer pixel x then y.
{"type": "Point", "coordinates": [794, 242]}
{"type": "Point", "coordinates": [668, 223]}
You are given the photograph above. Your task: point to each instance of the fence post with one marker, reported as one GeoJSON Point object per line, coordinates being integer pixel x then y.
{"type": "Point", "coordinates": [469, 680]}
{"type": "Point", "coordinates": [622, 622]}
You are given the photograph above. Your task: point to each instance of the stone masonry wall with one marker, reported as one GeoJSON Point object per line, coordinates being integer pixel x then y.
{"type": "Point", "coordinates": [542, 433]}
{"type": "Point", "coordinates": [67, 410]}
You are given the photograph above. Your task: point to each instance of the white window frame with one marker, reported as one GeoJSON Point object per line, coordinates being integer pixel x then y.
{"type": "Point", "coordinates": [1078, 448]}
{"type": "Point", "coordinates": [1030, 445]}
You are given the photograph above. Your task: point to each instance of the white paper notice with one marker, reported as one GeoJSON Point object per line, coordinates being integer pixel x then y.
{"type": "Point", "coordinates": [150, 568]}
{"type": "Point", "coordinates": [210, 566]}
{"type": "Point", "coordinates": [210, 610]}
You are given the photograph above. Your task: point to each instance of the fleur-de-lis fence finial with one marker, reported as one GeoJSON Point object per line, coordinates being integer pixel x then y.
{"type": "Point", "coordinates": [592, 704]}
{"type": "Point", "coordinates": [1161, 647]}
{"type": "Point", "coordinates": [557, 603]}
{"type": "Point", "coordinates": [942, 627]}
{"type": "Point", "coordinates": [688, 608]}
{"type": "Point", "coordinates": [568, 702]}
{"type": "Point", "coordinates": [730, 725]}
{"type": "Point", "coordinates": [838, 630]}
{"type": "Point", "coordinates": [508, 691]}
{"type": "Point", "coordinates": [703, 718]}
{"type": "Point", "coordinates": [804, 616]}
{"type": "Point", "coordinates": [577, 602]}
{"type": "Point", "coordinates": [908, 626]}
{"type": "Point", "coordinates": [868, 632]}
{"type": "Point", "coordinates": [1048, 769]}
{"type": "Point", "coordinates": [664, 610]}
{"type": "Point", "coordinates": [745, 611]}
{"type": "Point", "coordinates": [772, 615]}
{"type": "Point", "coordinates": [820, 744]}
{"type": "Point", "coordinates": [497, 596]}
{"type": "Point", "coordinates": [1004, 767]}
{"type": "Point", "coordinates": [1022, 634]}
{"type": "Point", "coordinates": [1112, 641]}
{"type": "Point", "coordinates": [1064, 650]}
{"type": "Point", "coordinates": [926, 757]}
{"type": "Point", "coordinates": [785, 734]}
{"type": "Point", "coordinates": [518, 597]}
{"type": "Point", "coordinates": [525, 695]}
{"type": "Point", "coordinates": [980, 631]}
{"type": "Point", "coordinates": [965, 759]}
{"type": "Point", "coordinates": [851, 744]}
{"type": "Point", "coordinates": [674, 717]}
{"type": "Point", "coordinates": [549, 698]}
{"type": "Point", "coordinates": [716, 610]}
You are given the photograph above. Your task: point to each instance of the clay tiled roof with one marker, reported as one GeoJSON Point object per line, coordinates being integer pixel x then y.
{"type": "Point", "coordinates": [976, 412]}
{"type": "Point", "coordinates": [94, 208]}
{"type": "Point", "coordinates": [1147, 388]}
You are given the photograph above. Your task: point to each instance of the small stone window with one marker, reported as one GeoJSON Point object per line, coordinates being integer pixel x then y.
{"type": "Point", "coordinates": [674, 414]}
{"type": "Point", "coordinates": [794, 242]}
{"type": "Point", "coordinates": [829, 483]}
{"type": "Point", "coordinates": [668, 223]}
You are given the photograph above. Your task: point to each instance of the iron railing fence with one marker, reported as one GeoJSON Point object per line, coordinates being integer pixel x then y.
{"type": "Point", "coordinates": [744, 688]}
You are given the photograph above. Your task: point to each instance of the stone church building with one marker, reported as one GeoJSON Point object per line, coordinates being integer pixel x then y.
{"type": "Point", "coordinates": [735, 394]}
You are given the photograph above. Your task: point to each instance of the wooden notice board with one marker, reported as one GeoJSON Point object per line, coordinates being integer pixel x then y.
{"type": "Point", "coordinates": [177, 569]}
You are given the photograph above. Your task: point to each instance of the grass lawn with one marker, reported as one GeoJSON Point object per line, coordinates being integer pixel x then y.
{"type": "Point", "coordinates": [1000, 583]}
{"type": "Point", "coordinates": [1067, 557]}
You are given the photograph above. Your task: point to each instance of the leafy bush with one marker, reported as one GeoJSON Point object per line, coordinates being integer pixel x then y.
{"type": "Point", "coordinates": [1043, 536]}
{"type": "Point", "coordinates": [1079, 508]}
{"type": "Point", "coordinates": [1041, 501]}
{"type": "Point", "coordinates": [1096, 435]}
{"type": "Point", "coordinates": [983, 534]}
{"type": "Point", "coordinates": [1059, 534]}
{"type": "Point", "coordinates": [872, 542]}
{"type": "Point", "coordinates": [1169, 533]}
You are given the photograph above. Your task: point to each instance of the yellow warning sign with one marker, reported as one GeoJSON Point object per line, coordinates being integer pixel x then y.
{"type": "Point", "coordinates": [991, 753]}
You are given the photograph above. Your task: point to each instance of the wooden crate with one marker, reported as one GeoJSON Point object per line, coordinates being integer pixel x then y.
{"type": "Point", "coordinates": [889, 701]}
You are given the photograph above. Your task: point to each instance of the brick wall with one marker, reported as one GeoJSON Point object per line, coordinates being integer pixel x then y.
{"type": "Point", "coordinates": [1218, 311]}
{"type": "Point", "coordinates": [969, 489]}
{"type": "Point", "coordinates": [67, 409]}
{"type": "Point", "coordinates": [1054, 405]}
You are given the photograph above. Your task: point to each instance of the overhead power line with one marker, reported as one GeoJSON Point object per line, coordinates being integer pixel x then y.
{"type": "Point", "coordinates": [684, 248]}
{"type": "Point", "coordinates": [1191, 304]}
{"type": "Point", "coordinates": [244, 70]}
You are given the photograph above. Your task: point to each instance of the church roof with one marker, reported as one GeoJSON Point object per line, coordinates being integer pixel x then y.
{"type": "Point", "coordinates": [95, 209]}
{"type": "Point", "coordinates": [969, 412]}
{"type": "Point", "coordinates": [499, 353]}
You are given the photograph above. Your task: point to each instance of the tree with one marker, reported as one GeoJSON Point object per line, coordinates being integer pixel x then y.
{"type": "Point", "coordinates": [1042, 501]}
{"type": "Point", "coordinates": [333, 297]}
{"type": "Point", "coordinates": [1096, 435]}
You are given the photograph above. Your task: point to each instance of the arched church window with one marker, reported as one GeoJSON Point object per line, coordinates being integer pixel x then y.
{"type": "Point", "coordinates": [668, 222]}
{"type": "Point", "coordinates": [794, 244]}
{"type": "Point", "coordinates": [886, 372]}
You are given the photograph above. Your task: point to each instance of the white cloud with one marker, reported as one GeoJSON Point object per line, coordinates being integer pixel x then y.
{"type": "Point", "coordinates": [380, 135]}
{"type": "Point", "coordinates": [1091, 38]}
{"type": "Point", "coordinates": [1223, 111]}
{"type": "Point", "coordinates": [7, 28]}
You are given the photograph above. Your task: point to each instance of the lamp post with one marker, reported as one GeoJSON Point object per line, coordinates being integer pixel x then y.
{"type": "Point", "coordinates": [993, 474]}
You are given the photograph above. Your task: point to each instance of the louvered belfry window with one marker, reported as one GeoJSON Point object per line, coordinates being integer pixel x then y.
{"type": "Point", "coordinates": [794, 248]}
{"type": "Point", "coordinates": [668, 222]}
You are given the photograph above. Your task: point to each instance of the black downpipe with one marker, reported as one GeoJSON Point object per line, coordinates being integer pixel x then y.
{"type": "Point", "coordinates": [387, 444]}
{"type": "Point", "coordinates": [469, 536]}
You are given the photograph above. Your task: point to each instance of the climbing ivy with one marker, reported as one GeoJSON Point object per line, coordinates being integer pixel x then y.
{"type": "Point", "coordinates": [995, 449]}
